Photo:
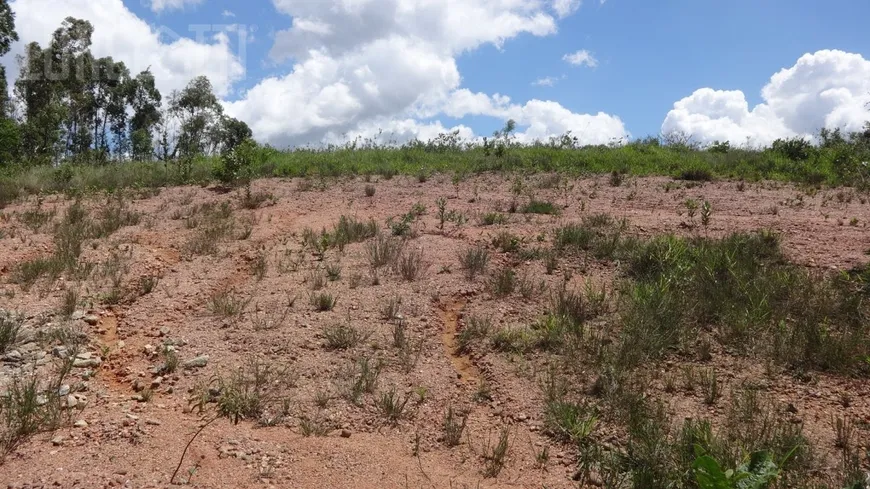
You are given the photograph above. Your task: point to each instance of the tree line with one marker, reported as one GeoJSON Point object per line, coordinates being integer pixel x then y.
{"type": "Point", "coordinates": [70, 106]}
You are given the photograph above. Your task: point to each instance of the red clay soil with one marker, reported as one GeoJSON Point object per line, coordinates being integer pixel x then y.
{"type": "Point", "coordinates": [124, 442]}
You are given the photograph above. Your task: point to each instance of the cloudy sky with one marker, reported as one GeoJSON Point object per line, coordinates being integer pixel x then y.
{"type": "Point", "coordinates": [309, 71]}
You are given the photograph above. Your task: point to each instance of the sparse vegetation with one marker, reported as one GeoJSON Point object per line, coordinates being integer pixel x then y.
{"type": "Point", "coordinates": [228, 303]}
{"type": "Point", "coordinates": [474, 261]}
{"type": "Point", "coordinates": [383, 251]}
{"type": "Point", "coordinates": [454, 426]}
{"type": "Point", "coordinates": [9, 326]}
{"type": "Point", "coordinates": [323, 301]}
{"type": "Point", "coordinates": [342, 336]}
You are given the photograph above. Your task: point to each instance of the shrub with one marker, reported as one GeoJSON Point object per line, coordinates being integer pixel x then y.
{"type": "Point", "coordinates": [343, 336]}
{"type": "Point", "coordinates": [383, 250]}
{"type": "Point", "coordinates": [540, 207]}
{"type": "Point", "coordinates": [9, 326]}
{"type": "Point", "coordinates": [410, 265]}
{"type": "Point", "coordinates": [474, 261]}
{"type": "Point", "coordinates": [503, 283]}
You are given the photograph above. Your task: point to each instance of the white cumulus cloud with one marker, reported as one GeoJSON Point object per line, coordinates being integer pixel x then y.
{"type": "Point", "coordinates": [580, 58]}
{"type": "Point", "coordinates": [547, 81]}
{"type": "Point", "coordinates": [828, 88]}
{"type": "Point", "coordinates": [564, 8]}
{"type": "Point", "coordinates": [161, 5]}
{"type": "Point", "coordinates": [119, 33]}
{"type": "Point", "coordinates": [357, 67]}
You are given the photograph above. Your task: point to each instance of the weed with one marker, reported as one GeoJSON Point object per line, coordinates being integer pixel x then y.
{"type": "Point", "coordinates": [843, 432]}
{"type": "Point", "coordinates": [370, 190]}
{"type": "Point", "coordinates": [392, 404]}
{"type": "Point", "coordinates": [476, 328]}
{"type": "Point", "coordinates": [260, 266]}
{"type": "Point", "coordinates": [709, 386]}
{"type": "Point", "coordinates": [503, 283]}
{"type": "Point", "coordinates": [246, 393]}
{"type": "Point", "coordinates": [616, 178]}
{"type": "Point", "coordinates": [349, 230]}
{"type": "Point", "coordinates": [383, 250]}
{"type": "Point", "coordinates": [495, 457]}
{"type": "Point", "coordinates": [400, 338]}
{"type": "Point", "coordinates": [410, 265]}
{"type": "Point", "coordinates": [493, 218]}
{"type": "Point", "coordinates": [170, 360]}
{"type": "Point", "coordinates": [228, 304]}
{"type": "Point", "coordinates": [9, 326]}
{"type": "Point", "coordinates": [316, 280]}
{"type": "Point", "coordinates": [390, 309]}
{"type": "Point", "coordinates": [540, 207]}
{"type": "Point", "coordinates": [333, 272]}
{"type": "Point", "coordinates": [568, 421]}
{"type": "Point", "coordinates": [454, 426]}
{"type": "Point", "coordinates": [323, 301]}
{"type": "Point", "coordinates": [148, 283]}
{"type": "Point", "coordinates": [315, 425]}
{"type": "Point", "coordinates": [322, 398]}
{"type": "Point", "coordinates": [513, 340]}
{"type": "Point", "coordinates": [706, 213]}
{"type": "Point", "coordinates": [507, 242]}
{"type": "Point", "coordinates": [265, 322]}
{"type": "Point", "coordinates": [527, 288]}
{"type": "Point", "coordinates": [474, 261]}
{"type": "Point", "coordinates": [551, 262]}
{"type": "Point", "coordinates": [68, 304]}
{"type": "Point", "coordinates": [362, 378]}
{"type": "Point", "coordinates": [254, 200]}
{"type": "Point", "coordinates": [343, 336]}
{"type": "Point", "coordinates": [36, 219]}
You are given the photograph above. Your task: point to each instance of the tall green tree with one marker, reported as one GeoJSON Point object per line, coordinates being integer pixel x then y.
{"type": "Point", "coordinates": [9, 131]}
{"type": "Point", "coordinates": [7, 37]}
{"type": "Point", "coordinates": [197, 109]}
{"type": "Point", "coordinates": [145, 99]}
{"type": "Point", "coordinates": [43, 111]}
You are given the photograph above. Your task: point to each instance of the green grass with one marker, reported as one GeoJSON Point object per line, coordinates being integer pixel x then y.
{"type": "Point", "coordinates": [474, 261]}
{"type": "Point", "coordinates": [343, 336]}
{"type": "Point", "coordinates": [835, 164]}
{"type": "Point", "coordinates": [540, 207]}
{"type": "Point", "coordinates": [742, 286]}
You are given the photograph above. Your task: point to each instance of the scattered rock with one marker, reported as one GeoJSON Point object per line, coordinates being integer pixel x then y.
{"type": "Point", "coordinates": [164, 331]}
{"type": "Point", "coordinates": [92, 319]}
{"type": "Point", "coordinates": [87, 362]}
{"type": "Point", "coordinates": [81, 424]}
{"type": "Point", "coordinates": [64, 390]}
{"type": "Point", "coordinates": [13, 356]}
{"type": "Point", "coordinates": [77, 315]}
{"type": "Point", "coordinates": [198, 362]}
{"type": "Point", "coordinates": [60, 352]}
{"type": "Point", "coordinates": [345, 433]}
{"type": "Point", "coordinates": [57, 440]}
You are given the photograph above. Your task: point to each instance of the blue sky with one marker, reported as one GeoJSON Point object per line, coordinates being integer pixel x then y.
{"type": "Point", "coordinates": [314, 71]}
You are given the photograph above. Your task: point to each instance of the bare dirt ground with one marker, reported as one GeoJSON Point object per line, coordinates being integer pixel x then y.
{"type": "Point", "coordinates": [130, 425]}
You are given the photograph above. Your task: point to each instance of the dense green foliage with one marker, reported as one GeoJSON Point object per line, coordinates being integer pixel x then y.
{"type": "Point", "coordinates": [72, 108]}
{"type": "Point", "coordinates": [838, 160]}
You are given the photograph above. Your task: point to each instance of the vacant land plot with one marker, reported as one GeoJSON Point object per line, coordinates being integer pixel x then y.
{"type": "Point", "coordinates": [495, 331]}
